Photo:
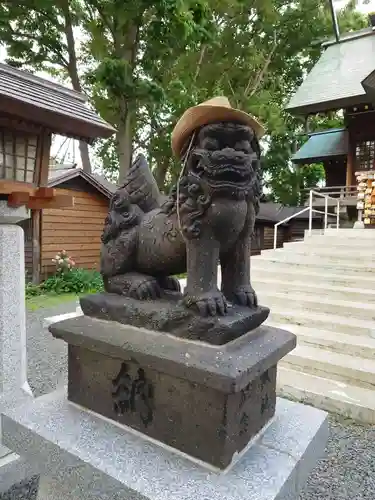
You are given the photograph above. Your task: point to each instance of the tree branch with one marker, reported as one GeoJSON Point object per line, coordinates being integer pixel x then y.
{"type": "Point", "coordinates": [200, 61]}
{"type": "Point", "coordinates": [262, 72]}
{"type": "Point", "coordinates": [35, 38]}
{"type": "Point", "coordinates": [230, 86]}
{"type": "Point", "coordinates": [105, 19]}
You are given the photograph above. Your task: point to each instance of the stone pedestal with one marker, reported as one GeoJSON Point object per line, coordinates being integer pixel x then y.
{"type": "Point", "coordinates": [205, 400]}
{"type": "Point", "coordinates": [359, 225]}
{"type": "Point", "coordinates": [84, 456]}
{"type": "Point", "coordinates": [13, 369]}
{"type": "Point", "coordinates": [13, 363]}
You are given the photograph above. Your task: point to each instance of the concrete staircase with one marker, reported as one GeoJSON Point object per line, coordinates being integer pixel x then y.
{"type": "Point", "coordinates": [323, 289]}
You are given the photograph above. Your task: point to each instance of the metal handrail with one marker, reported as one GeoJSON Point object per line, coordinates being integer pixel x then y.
{"type": "Point", "coordinates": [311, 211]}
{"type": "Point", "coordinates": [324, 188]}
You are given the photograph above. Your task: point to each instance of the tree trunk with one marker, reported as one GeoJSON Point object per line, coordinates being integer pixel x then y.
{"type": "Point", "coordinates": [124, 138]}
{"type": "Point", "coordinates": [85, 157]}
{"type": "Point", "coordinates": [161, 170]}
{"type": "Point", "coordinates": [126, 46]}
{"type": "Point", "coordinates": [73, 74]}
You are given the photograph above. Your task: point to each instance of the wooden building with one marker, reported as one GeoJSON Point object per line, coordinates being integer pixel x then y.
{"type": "Point", "coordinates": [343, 80]}
{"type": "Point", "coordinates": [76, 229]}
{"type": "Point", "coordinates": [31, 110]}
{"type": "Point", "coordinates": [294, 230]}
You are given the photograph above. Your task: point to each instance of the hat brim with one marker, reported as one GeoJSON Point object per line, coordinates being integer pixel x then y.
{"type": "Point", "coordinates": [202, 114]}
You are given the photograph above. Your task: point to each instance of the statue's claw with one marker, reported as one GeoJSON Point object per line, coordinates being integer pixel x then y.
{"type": "Point", "coordinates": [208, 304]}
{"type": "Point", "coordinates": [148, 289]}
{"type": "Point", "coordinates": [245, 296]}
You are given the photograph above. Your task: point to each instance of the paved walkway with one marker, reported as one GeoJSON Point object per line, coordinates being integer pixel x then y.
{"type": "Point", "coordinates": [47, 357]}
{"type": "Point", "coordinates": [347, 472]}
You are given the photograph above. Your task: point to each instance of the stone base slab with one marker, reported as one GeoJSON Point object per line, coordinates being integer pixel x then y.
{"type": "Point", "coordinates": [84, 456]}
{"type": "Point", "coordinates": [13, 468]}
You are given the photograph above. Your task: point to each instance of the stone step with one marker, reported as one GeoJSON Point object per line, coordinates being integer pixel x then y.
{"type": "Point", "coordinates": [286, 285]}
{"type": "Point", "coordinates": [355, 266]}
{"type": "Point", "coordinates": [327, 242]}
{"type": "Point", "coordinates": [332, 365]}
{"type": "Point", "coordinates": [341, 253]}
{"type": "Point", "coordinates": [285, 270]}
{"type": "Point", "coordinates": [368, 234]}
{"type": "Point", "coordinates": [353, 402]}
{"type": "Point", "coordinates": [331, 322]}
{"type": "Point", "coordinates": [354, 345]}
{"type": "Point", "coordinates": [318, 303]}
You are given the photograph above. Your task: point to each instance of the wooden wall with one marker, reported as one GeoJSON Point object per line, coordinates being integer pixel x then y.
{"type": "Point", "coordinates": [268, 237]}
{"type": "Point", "coordinates": [294, 231]}
{"type": "Point", "coordinates": [297, 228]}
{"type": "Point", "coordinates": [76, 230]}
{"type": "Point", "coordinates": [335, 172]}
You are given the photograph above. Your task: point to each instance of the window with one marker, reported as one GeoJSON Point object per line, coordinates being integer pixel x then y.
{"type": "Point", "coordinates": [17, 156]}
{"type": "Point", "coordinates": [365, 155]}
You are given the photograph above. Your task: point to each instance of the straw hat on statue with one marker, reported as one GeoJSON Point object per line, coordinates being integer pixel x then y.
{"type": "Point", "coordinates": [214, 110]}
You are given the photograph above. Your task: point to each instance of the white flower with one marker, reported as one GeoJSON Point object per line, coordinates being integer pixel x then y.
{"type": "Point", "coordinates": [61, 261]}
{"type": "Point", "coordinates": [56, 257]}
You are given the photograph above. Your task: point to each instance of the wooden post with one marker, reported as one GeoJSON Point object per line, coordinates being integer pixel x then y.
{"type": "Point", "coordinates": [350, 162]}
{"type": "Point", "coordinates": [45, 149]}
{"type": "Point", "coordinates": [42, 165]}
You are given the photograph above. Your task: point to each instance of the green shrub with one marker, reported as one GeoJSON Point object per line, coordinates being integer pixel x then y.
{"type": "Point", "coordinates": [32, 290]}
{"type": "Point", "coordinates": [74, 281]}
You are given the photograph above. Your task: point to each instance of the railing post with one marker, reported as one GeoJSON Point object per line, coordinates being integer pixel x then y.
{"type": "Point", "coordinates": [338, 215]}
{"type": "Point", "coordinates": [325, 213]}
{"type": "Point", "coordinates": [275, 237]}
{"type": "Point", "coordinates": [310, 213]}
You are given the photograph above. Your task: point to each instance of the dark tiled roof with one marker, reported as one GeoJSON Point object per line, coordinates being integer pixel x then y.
{"type": "Point", "coordinates": [336, 79]}
{"type": "Point", "coordinates": [61, 110]}
{"type": "Point", "coordinates": [59, 176]}
{"type": "Point", "coordinates": [323, 145]}
{"type": "Point", "coordinates": [275, 212]}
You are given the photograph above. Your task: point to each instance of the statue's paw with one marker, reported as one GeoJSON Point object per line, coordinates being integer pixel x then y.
{"type": "Point", "coordinates": [170, 283]}
{"type": "Point", "coordinates": [245, 296]}
{"type": "Point", "coordinates": [145, 290]}
{"type": "Point", "coordinates": [208, 304]}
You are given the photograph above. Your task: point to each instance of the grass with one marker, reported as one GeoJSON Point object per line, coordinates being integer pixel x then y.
{"type": "Point", "coordinates": [49, 300]}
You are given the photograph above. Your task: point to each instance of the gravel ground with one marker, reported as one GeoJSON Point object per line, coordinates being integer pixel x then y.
{"type": "Point", "coordinates": [347, 472]}
{"type": "Point", "coordinates": [47, 357]}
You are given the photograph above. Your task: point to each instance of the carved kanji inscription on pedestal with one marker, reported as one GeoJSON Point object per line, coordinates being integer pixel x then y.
{"type": "Point", "coordinates": [133, 394]}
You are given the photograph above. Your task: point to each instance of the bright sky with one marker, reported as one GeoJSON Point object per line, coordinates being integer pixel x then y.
{"type": "Point", "coordinates": [61, 146]}
{"type": "Point", "coordinates": [363, 5]}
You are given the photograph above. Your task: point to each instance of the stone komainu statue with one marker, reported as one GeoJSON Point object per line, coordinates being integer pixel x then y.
{"type": "Point", "coordinates": [207, 219]}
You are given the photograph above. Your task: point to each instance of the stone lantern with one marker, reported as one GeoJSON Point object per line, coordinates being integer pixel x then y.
{"type": "Point", "coordinates": [31, 110]}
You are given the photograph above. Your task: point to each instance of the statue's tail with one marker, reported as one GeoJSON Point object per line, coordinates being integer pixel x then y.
{"type": "Point", "coordinates": [141, 185]}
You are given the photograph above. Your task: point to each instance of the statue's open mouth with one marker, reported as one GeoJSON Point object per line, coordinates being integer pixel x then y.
{"type": "Point", "coordinates": [227, 175]}
{"type": "Point", "coordinates": [228, 168]}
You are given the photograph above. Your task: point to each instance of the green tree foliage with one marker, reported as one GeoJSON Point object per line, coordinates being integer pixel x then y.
{"type": "Point", "coordinates": [143, 63]}
{"type": "Point", "coordinates": [285, 182]}
{"type": "Point", "coordinates": [124, 40]}
{"type": "Point", "coordinates": [288, 183]}
{"type": "Point", "coordinates": [258, 56]}
{"type": "Point", "coordinates": [39, 35]}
